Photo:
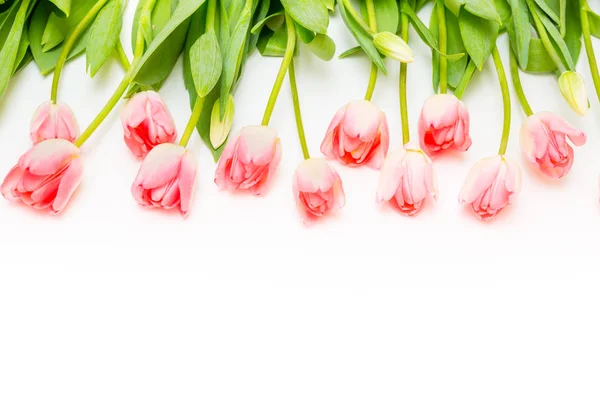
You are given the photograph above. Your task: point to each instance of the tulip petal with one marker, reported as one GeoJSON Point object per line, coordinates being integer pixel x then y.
{"type": "Point", "coordinates": [48, 157]}
{"type": "Point", "coordinates": [480, 178]}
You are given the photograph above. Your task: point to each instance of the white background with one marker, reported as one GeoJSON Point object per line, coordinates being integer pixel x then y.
{"type": "Point", "coordinates": [241, 300]}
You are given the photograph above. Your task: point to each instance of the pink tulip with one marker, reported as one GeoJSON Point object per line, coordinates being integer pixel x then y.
{"type": "Point", "coordinates": [249, 160]}
{"type": "Point", "coordinates": [544, 143]}
{"type": "Point", "coordinates": [407, 176]}
{"type": "Point", "coordinates": [444, 123]}
{"type": "Point", "coordinates": [53, 121]}
{"type": "Point", "coordinates": [357, 135]}
{"type": "Point", "coordinates": [146, 123]}
{"type": "Point", "coordinates": [46, 176]}
{"type": "Point", "coordinates": [317, 189]}
{"type": "Point", "coordinates": [492, 184]}
{"type": "Point", "coordinates": [167, 179]}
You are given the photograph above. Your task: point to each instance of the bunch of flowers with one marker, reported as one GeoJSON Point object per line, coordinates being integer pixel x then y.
{"type": "Point", "coordinates": [215, 38]}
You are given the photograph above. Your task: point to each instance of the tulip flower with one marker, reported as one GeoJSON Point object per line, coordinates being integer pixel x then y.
{"type": "Point", "coordinates": [146, 123]}
{"type": "Point", "coordinates": [492, 184]}
{"type": "Point", "coordinates": [249, 160]}
{"type": "Point", "coordinates": [166, 179]}
{"type": "Point", "coordinates": [572, 87]}
{"type": "Point", "coordinates": [46, 176]}
{"type": "Point", "coordinates": [544, 143]}
{"type": "Point", "coordinates": [408, 178]}
{"type": "Point", "coordinates": [358, 135]}
{"type": "Point", "coordinates": [317, 189]}
{"type": "Point", "coordinates": [393, 46]}
{"type": "Point", "coordinates": [444, 124]}
{"type": "Point", "coordinates": [53, 121]}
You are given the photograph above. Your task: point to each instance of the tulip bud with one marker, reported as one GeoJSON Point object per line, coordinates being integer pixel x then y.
{"type": "Point", "coordinates": [572, 87]}
{"type": "Point", "coordinates": [220, 128]}
{"type": "Point", "coordinates": [393, 46]}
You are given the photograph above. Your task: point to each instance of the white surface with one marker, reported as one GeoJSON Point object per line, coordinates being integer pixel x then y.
{"type": "Point", "coordinates": [242, 301]}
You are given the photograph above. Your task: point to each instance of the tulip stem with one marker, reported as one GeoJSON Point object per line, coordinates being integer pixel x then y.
{"type": "Point", "coordinates": [297, 113]}
{"type": "Point", "coordinates": [589, 48]}
{"type": "Point", "coordinates": [514, 71]}
{"type": "Point", "coordinates": [441, 16]}
{"type": "Point", "coordinates": [70, 43]}
{"type": "Point", "coordinates": [287, 58]}
{"type": "Point", "coordinates": [403, 76]}
{"type": "Point", "coordinates": [505, 100]}
{"type": "Point", "coordinates": [543, 34]}
{"type": "Point", "coordinates": [122, 56]}
{"type": "Point", "coordinates": [374, 68]}
{"type": "Point", "coordinates": [210, 15]}
{"type": "Point", "coordinates": [191, 125]}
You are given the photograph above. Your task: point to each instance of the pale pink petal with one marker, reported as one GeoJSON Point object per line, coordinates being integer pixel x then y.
{"type": "Point", "coordinates": [160, 166]}
{"type": "Point", "coordinates": [10, 182]}
{"type": "Point", "coordinates": [480, 178]}
{"type": "Point", "coordinates": [391, 175]}
{"type": "Point", "coordinates": [49, 156]}
{"type": "Point", "coordinates": [187, 182]}
{"type": "Point", "coordinates": [68, 184]}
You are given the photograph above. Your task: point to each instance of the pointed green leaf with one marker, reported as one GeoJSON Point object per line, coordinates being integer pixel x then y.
{"type": "Point", "coordinates": [104, 35]}
{"type": "Point", "coordinates": [311, 14]}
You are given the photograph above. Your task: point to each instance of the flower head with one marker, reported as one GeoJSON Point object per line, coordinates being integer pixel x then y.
{"type": "Point", "coordinates": [393, 46]}
{"type": "Point", "coordinates": [46, 176]}
{"type": "Point", "coordinates": [146, 123]}
{"type": "Point", "coordinates": [249, 160]}
{"type": "Point", "coordinates": [444, 124]}
{"type": "Point", "coordinates": [317, 189]}
{"type": "Point", "coordinates": [492, 184]}
{"type": "Point", "coordinates": [544, 143]}
{"type": "Point", "coordinates": [167, 179]}
{"type": "Point", "coordinates": [53, 121]}
{"type": "Point", "coordinates": [357, 135]}
{"type": "Point", "coordinates": [408, 178]}
{"type": "Point", "coordinates": [572, 87]}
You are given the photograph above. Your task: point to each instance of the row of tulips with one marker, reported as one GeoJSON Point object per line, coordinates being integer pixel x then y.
{"type": "Point", "coordinates": [48, 174]}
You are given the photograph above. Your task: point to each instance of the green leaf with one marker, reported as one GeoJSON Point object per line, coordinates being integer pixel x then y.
{"type": "Point", "coordinates": [104, 35]}
{"type": "Point", "coordinates": [573, 29]}
{"type": "Point", "coordinates": [273, 44]}
{"type": "Point", "coordinates": [549, 12]}
{"type": "Point", "coordinates": [9, 51]}
{"type": "Point", "coordinates": [481, 8]}
{"type": "Point", "coordinates": [234, 54]}
{"type": "Point", "coordinates": [206, 63]}
{"type": "Point", "coordinates": [364, 38]}
{"type": "Point", "coordinates": [259, 25]}
{"type": "Point", "coordinates": [222, 26]}
{"type": "Point", "coordinates": [504, 11]}
{"type": "Point", "coordinates": [22, 52]}
{"type": "Point", "coordinates": [594, 23]}
{"type": "Point", "coordinates": [456, 67]}
{"type": "Point", "coordinates": [152, 67]}
{"type": "Point", "coordinates": [46, 61]}
{"type": "Point", "coordinates": [330, 4]}
{"type": "Point", "coordinates": [522, 30]}
{"type": "Point", "coordinates": [539, 59]}
{"type": "Point", "coordinates": [311, 14]}
{"type": "Point", "coordinates": [424, 33]}
{"type": "Point", "coordinates": [27, 58]}
{"type": "Point", "coordinates": [323, 47]}
{"type": "Point", "coordinates": [350, 52]}
{"type": "Point", "coordinates": [479, 36]}
{"type": "Point", "coordinates": [558, 40]}
{"type": "Point", "coordinates": [63, 5]}
{"type": "Point", "coordinates": [54, 33]}
{"type": "Point", "coordinates": [203, 126]}
{"type": "Point", "coordinates": [386, 13]}
{"type": "Point", "coordinates": [261, 13]}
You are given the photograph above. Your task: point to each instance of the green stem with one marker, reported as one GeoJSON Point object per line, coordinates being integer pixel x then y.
{"type": "Point", "coordinates": [210, 15]}
{"type": "Point", "coordinates": [287, 59]}
{"type": "Point", "coordinates": [589, 48]}
{"type": "Point", "coordinates": [403, 76]}
{"type": "Point", "coordinates": [505, 100]}
{"type": "Point", "coordinates": [514, 71]}
{"type": "Point", "coordinates": [70, 43]}
{"type": "Point", "coordinates": [112, 102]}
{"type": "Point", "coordinates": [297, 112]}
{"type": "Point", "coordinates": [374, 70]}
{"type": "Point", "coordinates": [350, 8]}
{"type": "Point", "coordinates": [122, 56]}
{"type": "Point", "coordinates": [191, 125]}
{"type": "Point", "coordinates": [441, 16]}
{"type": "Point", "coordinates": [545, 38]}
{"type": "Point", "coordinates": [464, 81]}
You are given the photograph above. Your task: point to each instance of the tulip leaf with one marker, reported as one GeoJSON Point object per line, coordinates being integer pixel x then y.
{"type": "Point", "coordinates": [363, 37]}
{"type": "Point", "coordinates": [520, 30]}
{"type": "Point", "coordinates": [259, 25]}
{"type": "Point", "coordinates": [539, 61]}
{"type": "Point", "coordinates": [594, 23]}
{"type": "Point", "coordinates": [386, 13]}
{"type": "Point", "coordinates": [485, 9]}
{"type": "Point", "coordinates": [548, 11]}
{"type": "Point", "coordinates": [350, 52]}
{"type": "Point", "coordinates": [206, 63]}
{"type": "Point", "coordinates": [169, 40]}
{"type": "Point", "coordinates": [311, 14]}
{"type": "Point", "coordinates": [63, 5]}
{"type": "Point", "coordinates": [273, 44]}
{"type": "Point", "coordinates": [104, 35]}
{"type": "Point", "coordinates": [54, 33]}
{"type": "Point", "coordinates": [479, 36]}
{"type": "Point", "coordinates": [10, 49]}
{"type": "Point", "coordinates": [22, 52]}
